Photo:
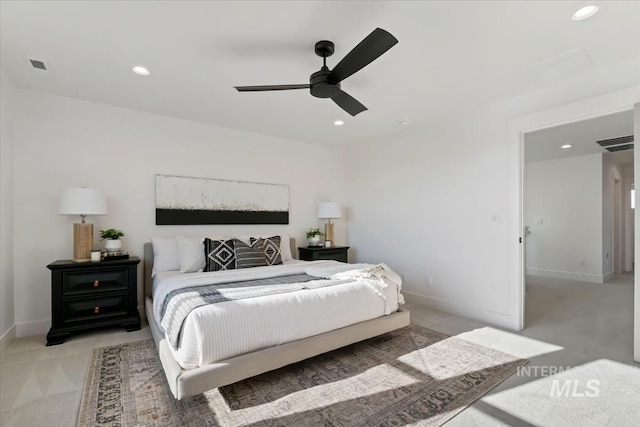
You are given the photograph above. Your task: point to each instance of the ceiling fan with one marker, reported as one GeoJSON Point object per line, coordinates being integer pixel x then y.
{"type": "Point", "coordinates": [326, 83]}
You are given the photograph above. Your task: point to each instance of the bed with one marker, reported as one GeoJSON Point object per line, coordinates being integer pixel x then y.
{"type": "Point", "coordinates": [193, 366]}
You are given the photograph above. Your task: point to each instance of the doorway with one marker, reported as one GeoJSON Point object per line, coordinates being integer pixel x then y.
{"type": "Point", "coordinates": [573, 198]}
{"type": "Point", "coordinates": [569, 113]}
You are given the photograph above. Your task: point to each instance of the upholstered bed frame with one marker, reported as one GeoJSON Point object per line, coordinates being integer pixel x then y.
{"type": "Point", "coordinates": [189, 382]}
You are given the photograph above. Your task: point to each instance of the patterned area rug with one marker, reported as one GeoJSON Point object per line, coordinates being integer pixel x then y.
{"type": "Point", "coordinates": [410, 376]}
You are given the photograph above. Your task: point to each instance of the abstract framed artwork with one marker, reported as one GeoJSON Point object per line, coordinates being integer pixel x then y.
{"type": "Point", "coordinates": [182, 200]}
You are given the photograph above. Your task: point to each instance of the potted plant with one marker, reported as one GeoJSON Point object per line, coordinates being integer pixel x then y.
{"type": "Point", "coordinates": [313, 236]}
{"type": "Point", "coordinates": [112, 237]}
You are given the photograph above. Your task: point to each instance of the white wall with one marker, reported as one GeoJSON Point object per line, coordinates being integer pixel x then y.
{"type": "Point", "coordinates": [63, 142]}
{"type": "Point", "coordinates": [565, 196]}
{"type": "Point", "coordinates": [425, 204]}
{"type": "Point", "coordinates": [7, 314]}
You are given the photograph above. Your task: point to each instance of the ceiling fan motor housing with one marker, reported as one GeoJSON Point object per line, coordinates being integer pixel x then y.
{"type": "Point", "coordinates": [321, 86]}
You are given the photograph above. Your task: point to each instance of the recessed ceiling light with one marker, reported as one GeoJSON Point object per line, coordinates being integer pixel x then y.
{"type": "Point", "coordinates": [38, 65]}
{"type": "Point", "coordinates": [584, 12]}
{"type": "Point", "coordinates": [403, 122]}
{"type": "Point", "coordinates": [140, 70]}
{"type": "Point", "coordinates": [565, 146]}
{"type": "Point", "coordinates": [338, 123]}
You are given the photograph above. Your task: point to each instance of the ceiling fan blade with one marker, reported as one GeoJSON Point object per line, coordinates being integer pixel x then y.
{"type": "Point", "coordinates": [270, 87]}
{"type": "Point", "coordinates": [367, 51]}
{"type": "Point", "coordinates": [348, 103]}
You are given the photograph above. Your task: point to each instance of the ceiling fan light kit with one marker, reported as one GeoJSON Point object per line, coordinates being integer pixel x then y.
{"type": "Point", "coordinates": [326, 83]}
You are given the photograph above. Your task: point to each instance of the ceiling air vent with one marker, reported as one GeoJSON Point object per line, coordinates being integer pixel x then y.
{"type": "Point", "coordinates": [616, 141]}
{"type": "Point", "coordinates": [38, 64]}
{"type": "Point", "coordinates": [617, 144]}
{"type": "Point", "coordinates": [620, 148]}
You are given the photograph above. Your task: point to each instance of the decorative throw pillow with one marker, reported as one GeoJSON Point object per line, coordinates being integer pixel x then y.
{"type": "Point", "coordinates": [285, 245]}
{"type": "Point", "coordinates": [251, 255]}
{"type": "Point", "coordinates": [271, 249]}
{"type": "Point", "coordinates": [191, 254]}
{"type": "Point", "coordinates": [219, 254]}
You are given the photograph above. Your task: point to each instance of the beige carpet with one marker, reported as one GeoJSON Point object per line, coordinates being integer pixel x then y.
{"type": "Point", "coordinates": [410, 376]}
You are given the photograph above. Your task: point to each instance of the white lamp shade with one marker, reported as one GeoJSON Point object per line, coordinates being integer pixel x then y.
{"type": "Point", "coordinates": [328, 210]}
{"type": "Point", "coordinates": [82, 201]}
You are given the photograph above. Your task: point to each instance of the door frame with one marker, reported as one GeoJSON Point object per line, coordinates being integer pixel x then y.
{"type": "Point", "coordinates": [617, 248]}
{"type": "Point", "coordinates": [589, 108]}
{"type": "Point", "coordinates": [636, 221]}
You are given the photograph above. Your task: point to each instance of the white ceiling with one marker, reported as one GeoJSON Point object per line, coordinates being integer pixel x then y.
{"type": "Point", "coordinates": [451, 55]}
{"type": "Point", "coordinates": [582, 136]}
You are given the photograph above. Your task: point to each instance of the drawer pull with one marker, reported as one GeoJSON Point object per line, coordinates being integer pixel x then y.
{"type": "Point", "coordinates": [96, 283]}
{"type": "Point", "coordinates": [96, 310]}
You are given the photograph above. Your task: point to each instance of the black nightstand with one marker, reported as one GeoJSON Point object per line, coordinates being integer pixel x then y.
{"type": "Point", "coordinates": [338, 253]}
{"type": "Point", "coordinates": [89, 295]}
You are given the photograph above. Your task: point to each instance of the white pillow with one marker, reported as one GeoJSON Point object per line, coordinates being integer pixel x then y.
{"type": "Point", "coordinates": [165, 255]}
{"type": "Point", "coordinates": [191, 254]}
{"type": "Point", "coordinates": [285, 248]}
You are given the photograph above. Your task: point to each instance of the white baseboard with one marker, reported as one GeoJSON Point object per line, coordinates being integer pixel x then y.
{"type": "Point", "coordinates": [7, 338]}
{"type": "Point", "coordinates": [569, 275]}
{"type": "Point", "coordinates": [37, 327]}
{"type": "Point", "coordinates": [462, 310]}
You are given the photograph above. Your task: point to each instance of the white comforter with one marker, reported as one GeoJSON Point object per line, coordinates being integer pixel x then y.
{"type": "Point", "coordinates": [227, 329]}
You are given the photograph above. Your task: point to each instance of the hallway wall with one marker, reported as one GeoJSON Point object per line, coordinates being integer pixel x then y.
{"type": "Point", "coordinates": [563, 209]}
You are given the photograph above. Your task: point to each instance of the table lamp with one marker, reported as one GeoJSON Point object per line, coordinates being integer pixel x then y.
{"type": "Point", "coordinates": [82, 201]}
{"type": "Point", "coordinates": [329, 211]}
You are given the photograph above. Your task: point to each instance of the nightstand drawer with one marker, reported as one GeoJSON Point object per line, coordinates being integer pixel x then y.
{"type": "Point", "coordinates": [82, 310]}
{"type": "Point", "coordinates": [96, 281]}
{"type": "Point", "coordinates": [338, 255]}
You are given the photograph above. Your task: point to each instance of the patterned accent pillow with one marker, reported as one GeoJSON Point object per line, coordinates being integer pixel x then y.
{"type": "Point", "coordinates": [271, 249]}
{"type": "Point", "coordinates": [248, 256]}
{"type": "Point", "coordinates": [220, 255]}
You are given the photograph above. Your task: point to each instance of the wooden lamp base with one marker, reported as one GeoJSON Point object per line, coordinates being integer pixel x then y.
{"type": "Point", "coordinates": [328, 233]}
{"type": "Point", "coordinates": [82, 242]}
